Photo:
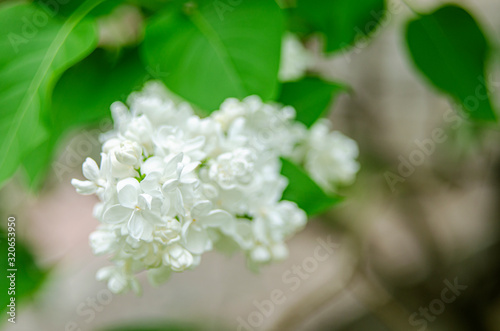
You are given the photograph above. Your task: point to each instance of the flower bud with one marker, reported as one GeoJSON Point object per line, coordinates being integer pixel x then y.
{"type": "Point", "coordinates": [129, 153]}
{"type": "Point", "coordinates": [178, 258]}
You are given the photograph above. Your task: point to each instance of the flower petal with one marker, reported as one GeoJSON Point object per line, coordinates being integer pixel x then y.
{"type": "Point", "coordinates": [147, 234]}
{"type": "Point", "coordinates": [178, 258]}
{"type": "Point", "coordinates": [170, 185]}
{"type": "Point", "coordinates": [200, 209]}
{"type": "Point", "coordinates": [116, 214]}
{"type": "Point", "coordinates": [84, 187]}
{"type": "Point", "coordinates": [164, 133]}
{"type": "Point", "coordinates": [165, 207]}
{"type": "Point", "coordinates": [178, 202]}
{"type": "Point", "coordinates": [243, 234]}
{"type": "Point", "coordinates": [136, 225]}
{"type": "Point", "coordinates": [117, 284]}
{"type": "Point", "coordinates": [90, 169]}
{"type": "Point", "coordinates": [144, 201]}
{"type": "Point", "coordinates": [104, 273]}
{"type": "Point", "coordinates": [196, 240]}
{"type": "Point", "coordinates": [172, 164]}
{"type": "Point", "coordinates": [158, 276]}
{"type": "Point", "coordinates": [151, 182]}
{"type": "Point", "coordinates": [153, 164]}
{"type": "Point", "coordinates": [194, 144]}
{"type": "Point", "coordinates": [151, 218]}
{"type": "Point", "coordinates": [105, 163]}
{"type": "Point", "coordinates": [260, 254]}
{"type": "Point", "coordinates": [128, 192]}
{"type": "Point", "coordinates": [190, 181]}
{"type": "Point", "coordinates": [188, 168]}
{"type": "Point", "coordinates": [218, 218]}
{"type": "Point", "coordinates": [260, 229]}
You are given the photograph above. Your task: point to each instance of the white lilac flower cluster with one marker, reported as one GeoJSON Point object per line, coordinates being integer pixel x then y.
{"type": "Point", "coordinates": [173, 185]}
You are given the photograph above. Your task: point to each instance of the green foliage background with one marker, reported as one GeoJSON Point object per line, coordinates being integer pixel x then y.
{"type": "Point", "coordinates": [54, 76]}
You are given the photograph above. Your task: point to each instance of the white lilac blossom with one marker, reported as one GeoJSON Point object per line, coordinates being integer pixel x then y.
{"type": "Point", "coordinates": [295, 58]}
{"type": "Point", "coordinates": [330, 157]}
{"type": "Point", "coordinates": [173, 185]}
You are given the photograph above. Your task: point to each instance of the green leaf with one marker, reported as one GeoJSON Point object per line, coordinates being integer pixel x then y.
{"type": "Point", "coordinates": [70, 6]}
{"type": "Point", "coordinates": [342, 22]}
{"type": "Point", "coordinates": [29, 277]}
{"type": "Point", "coordinates": [311, 97]}
{"type": "Point", "coordinates": [32, 58]}
{"type": "Point", "coordinates": [304, 191]}
{"type": "Point", "coordinates": [37, 161]}
{"type": "Point", "coordinates": [450, 49]}
{"type": "Point", "coordinates": [149, 326]}
{"type": "Point", "coordinates": [212, 50]}
{"type": "Point", "coordinates": [76, 101]}
{"type": "Point", "coordinates": [149, 6]}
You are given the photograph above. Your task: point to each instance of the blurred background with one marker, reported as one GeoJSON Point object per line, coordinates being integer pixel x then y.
{"type": "Point", "coordinates": [412, 250]}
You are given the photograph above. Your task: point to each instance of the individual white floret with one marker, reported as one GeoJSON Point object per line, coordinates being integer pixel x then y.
{"type": "Point", "coordinates": [232, 169]}
{"type": "Point", "coordinates": [330, 157]}
{"type": "Point", "coordinates": [98, 181]}
{"type": "Point", "coordinates": [136, 212]}
{"type": "Point", "coordinates": [119, 280]}
{"type": "Point", "coordinates": [198, 224]}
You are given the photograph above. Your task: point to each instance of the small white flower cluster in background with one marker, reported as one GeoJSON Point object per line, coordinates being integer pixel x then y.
{"type": "Point", "coordinates": [295, 58]}
{"type": "Point", "coordinates": [328, 156]}
{"type": "Point", "coordinates": [173, 185]}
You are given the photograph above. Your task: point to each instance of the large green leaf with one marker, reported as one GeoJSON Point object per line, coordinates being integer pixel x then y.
{"type": "Point", "coordinates": [304, 191]}
{"type": "Point", "coordinates": [211, 53]}
{"type": "Point", "coordinates": [310, 97]}
{"type": "Point", "coordinates": [342, 22]}
{"type": "Point", "coordinates": [33, 56]}
{"type": "Point", "coordinates": [76, 101]}
{"type": "Point", "coordinates": [28, 276]}
{"type": "Point", "coordinates": [450, 49]}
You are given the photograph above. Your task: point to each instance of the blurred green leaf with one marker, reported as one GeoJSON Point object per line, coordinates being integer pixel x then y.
{"type": "Point", "coordinates": [32, 58]}
{"type": "Point", "coordinates": [83, 96]}
{"type": "Point", "coordinates": [29, 277]}
{"type": "Point", "coordinates": [213, 50]}
{"type": "Point", "coordinates": [85, 92]}
{"type": "Point", "coordinates": [450, 49]}
{"type": "Point", "coordinates": [149, 326]}
{"type": "Point", "coordinates": [311, 97]}
{"type": "Point", "coordinates": [150, 6]}
{"type": "Point", "coordinates": [37, 161]}
{"type": "Point", "coordinates": [304, 191]}
{"type": "Point", "coordinates": [68, 7]}
{"type": "Point", "coordinates": [342, 22]}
